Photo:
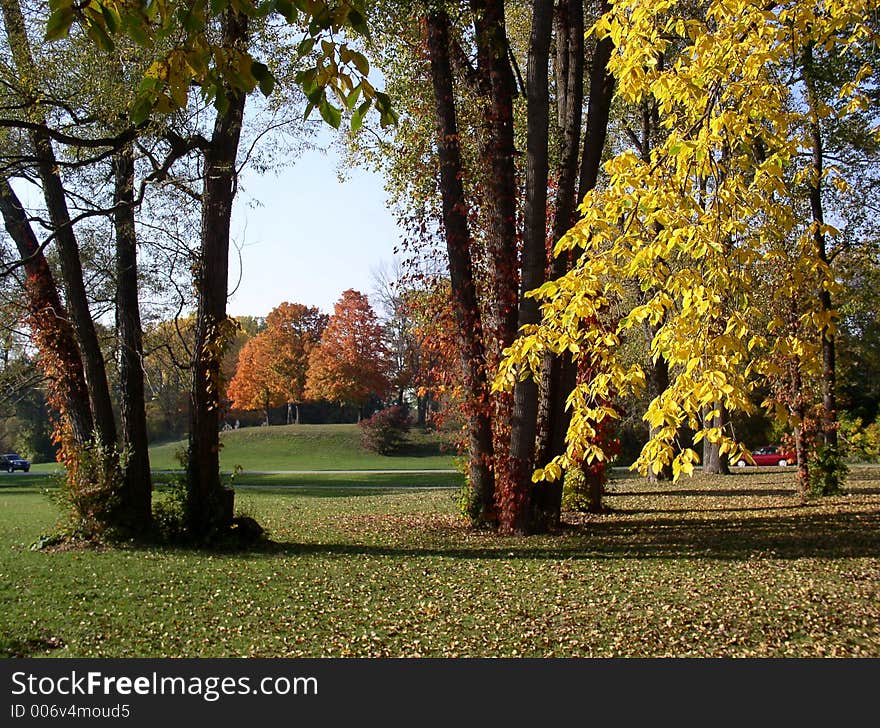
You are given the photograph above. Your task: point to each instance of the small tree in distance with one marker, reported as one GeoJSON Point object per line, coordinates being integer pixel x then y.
{"type": "Point", "coordinates": [349, 365]}
{"type": "Point", "coordinates": [272, 366]}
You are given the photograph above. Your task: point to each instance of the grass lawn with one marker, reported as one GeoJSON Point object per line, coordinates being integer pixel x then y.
{"type": "Point", "coordinates": [708, 567]}
{"type": "Point", "coordinates": [310, 447]}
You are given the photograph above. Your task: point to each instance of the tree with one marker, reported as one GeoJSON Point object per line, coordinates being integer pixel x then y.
{"type": "Point", "coordinates": [92, 132]}
{"type": "Point", "coordinates": [56, 343]}
{"type": "Point", "coordinates": [348, 366]}
{"type": "Point", "coordinates": [68, 249]}
{"type": "Point", "coordinates": [468, 319]}
{"type": "Point", "coordinates": [273, 364]}
{"type": "Point", "coordinates": [515, 494]}
{"type": "Point", "coordinates": [496, 197]}
{"type": "Point", "coordinates": [709, 226]}
{"type": "Point", "coordinates": [226, 71]}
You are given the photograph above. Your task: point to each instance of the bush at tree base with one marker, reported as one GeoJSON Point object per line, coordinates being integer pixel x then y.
{"type": "Point", "coordinates": [827, 471]}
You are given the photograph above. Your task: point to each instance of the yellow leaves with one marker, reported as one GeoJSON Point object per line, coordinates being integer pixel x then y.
{"type": "Point", "coordinates": [522, 360]}
{"type": "Point", "coordinates": [840, 184]}
{"type": "Point", "coordinates": [683, 463]}
{"type": "Point", "coordinates": [705, 246]}
{"type": "Point", "coordinates": [552, 471]}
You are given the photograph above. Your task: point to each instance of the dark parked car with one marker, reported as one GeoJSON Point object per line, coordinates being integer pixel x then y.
{"type": "Point", "coordinates": [770, 455]}
{"type": "Point", "coordinates": [10, 461]}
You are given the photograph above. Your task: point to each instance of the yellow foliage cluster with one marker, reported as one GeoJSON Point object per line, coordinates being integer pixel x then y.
{"type": "Point", "coordinates": [709, 232]}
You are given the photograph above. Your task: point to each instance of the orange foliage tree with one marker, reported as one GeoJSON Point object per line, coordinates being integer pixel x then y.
{"type": "Point", "coordinates": [272, 365]}
{"type": "Point", "coordinates": [349, 366]}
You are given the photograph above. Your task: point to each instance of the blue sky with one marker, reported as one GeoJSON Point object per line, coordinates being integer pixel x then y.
{"type": "Point", "coordinates": [310, 237]}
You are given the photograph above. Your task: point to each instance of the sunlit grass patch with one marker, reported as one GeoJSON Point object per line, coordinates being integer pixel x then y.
{"type": "Point", "coordinates": [706, 567]}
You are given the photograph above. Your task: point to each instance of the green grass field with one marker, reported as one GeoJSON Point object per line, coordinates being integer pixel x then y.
{"type": "Point", "coordinates": [306, 447]}
{"type": "Point", "coordinates": [708, 567]}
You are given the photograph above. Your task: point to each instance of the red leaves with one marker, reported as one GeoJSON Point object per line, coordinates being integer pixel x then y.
{"type": "Point", "coordinates": [349, 364]}
{"type": "Point", "coordinates": [272, 366]}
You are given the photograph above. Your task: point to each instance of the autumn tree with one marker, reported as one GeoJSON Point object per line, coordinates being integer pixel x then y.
{"type": "Point", "coordinates": [348, 366]}
{"type": "Point", "coordinates": [273, 364]}
{"type": "Point", "coordinates": [60, 145]}
{"type": "Point", "coordinates": [710, 225]}
{"type": "Point", "coordinates": [212, 50]}
{"type": "Point", "coordinates": [491, 206]}
{"type": "Point", "coordinates": [416, 314]}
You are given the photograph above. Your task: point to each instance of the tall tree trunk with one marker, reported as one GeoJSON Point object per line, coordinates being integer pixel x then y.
{"type": "Point", "coordinates": [559, 373]}
{"type": "Point", "coordinates": [497, 151]}
{"type": "Point", "coordinates": [56, 342]}
{"type": "Point", "coordinates": [68, 249]}
{"type": "Point", "coordinates": [714, 463]}
{"type": "Point", "coordinates": [209, 505]}
{"type": "Point", "coordinates": [515, 494]}
{"type": "Point", "coordinates": [136, 492]}
{"type": "Point", "coordinates": [464, 294]}
{"type": "Point", "coordinates": [658, 369]}
{"type": "Point", "coordinates": [829, 353]}
{"type": "Point", "coordinates": [598, 112]}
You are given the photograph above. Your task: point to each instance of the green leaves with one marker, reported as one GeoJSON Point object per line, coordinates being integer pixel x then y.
{"type": "Point", "coordinates": [330, 114]}
{"type": "Point", "coordinates": [357, 118]}
{"type": "Point", "coordinates": [60, 20]}
{"type": "Point", "coordinates": [264, 77]}
{"type": "Point", "coordinates": [196, 60]}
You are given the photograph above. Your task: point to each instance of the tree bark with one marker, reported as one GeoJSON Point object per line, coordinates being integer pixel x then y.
{"type": "Point", "coordinates": [136, 491]}
{"type": "Point", "coordinates": [209, 505]}
{"type": "Point", "coordinates": [464, 294]}
{"type": "Point", "coordinates": [658, 371]}
{"type": "Point", "coordinates": [559, 373]}
{"type": "Point", "coordinates": [598, 112]}
{"type": "Point", "coordinates": [56, 342]}
{"type": "Point", "coordinates": [817, 215]}
{"type": "Point", "coordinates": [515, 494]}
{"type": "Point", "coordinates": [713, 462]}
{"type": "Point", "coordinates": [497, 152]}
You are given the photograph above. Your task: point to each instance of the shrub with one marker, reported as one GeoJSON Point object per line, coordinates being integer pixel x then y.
{"type": "Point", "coordinates": [88, 494]}
{"type": "Point", "coordinates": [385, 432]}
{"type": "Point", "coordinates": [169, 512]}
{"type": "Point", "coordinates": [578, 492]}
{"type": "Point", "coordinates": [827, 471]}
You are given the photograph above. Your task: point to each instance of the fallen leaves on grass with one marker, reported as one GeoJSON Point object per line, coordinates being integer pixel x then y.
{"type": "Point", "coordinates": [709, 567]}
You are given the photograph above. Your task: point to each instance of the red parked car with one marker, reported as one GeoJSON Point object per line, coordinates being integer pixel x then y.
{"type": "Point", "coordinates": [770, 455]}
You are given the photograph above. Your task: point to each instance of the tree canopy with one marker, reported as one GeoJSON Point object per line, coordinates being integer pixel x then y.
{"type": "Point", "coordinates": [272, 366]}
{"type": "Point", "coordinates": [348, 366]}
{"type": "Point", "coordinates": [716, 227]}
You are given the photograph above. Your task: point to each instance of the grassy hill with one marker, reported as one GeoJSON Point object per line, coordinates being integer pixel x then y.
{"type": "Point", "coordinates": [311, 447]}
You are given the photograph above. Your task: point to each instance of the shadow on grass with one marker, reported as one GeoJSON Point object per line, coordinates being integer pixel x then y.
{"type": "Point", "coordinates": [341, 483]}
{"type": "Point", "coordinates": [742, 492]}
{"type": "Point", "coordinates": [328, 491]}
{"type": "Point", "coordinates": [837, 536]}
{"type": "Point", "coordinates": [28, 647]}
